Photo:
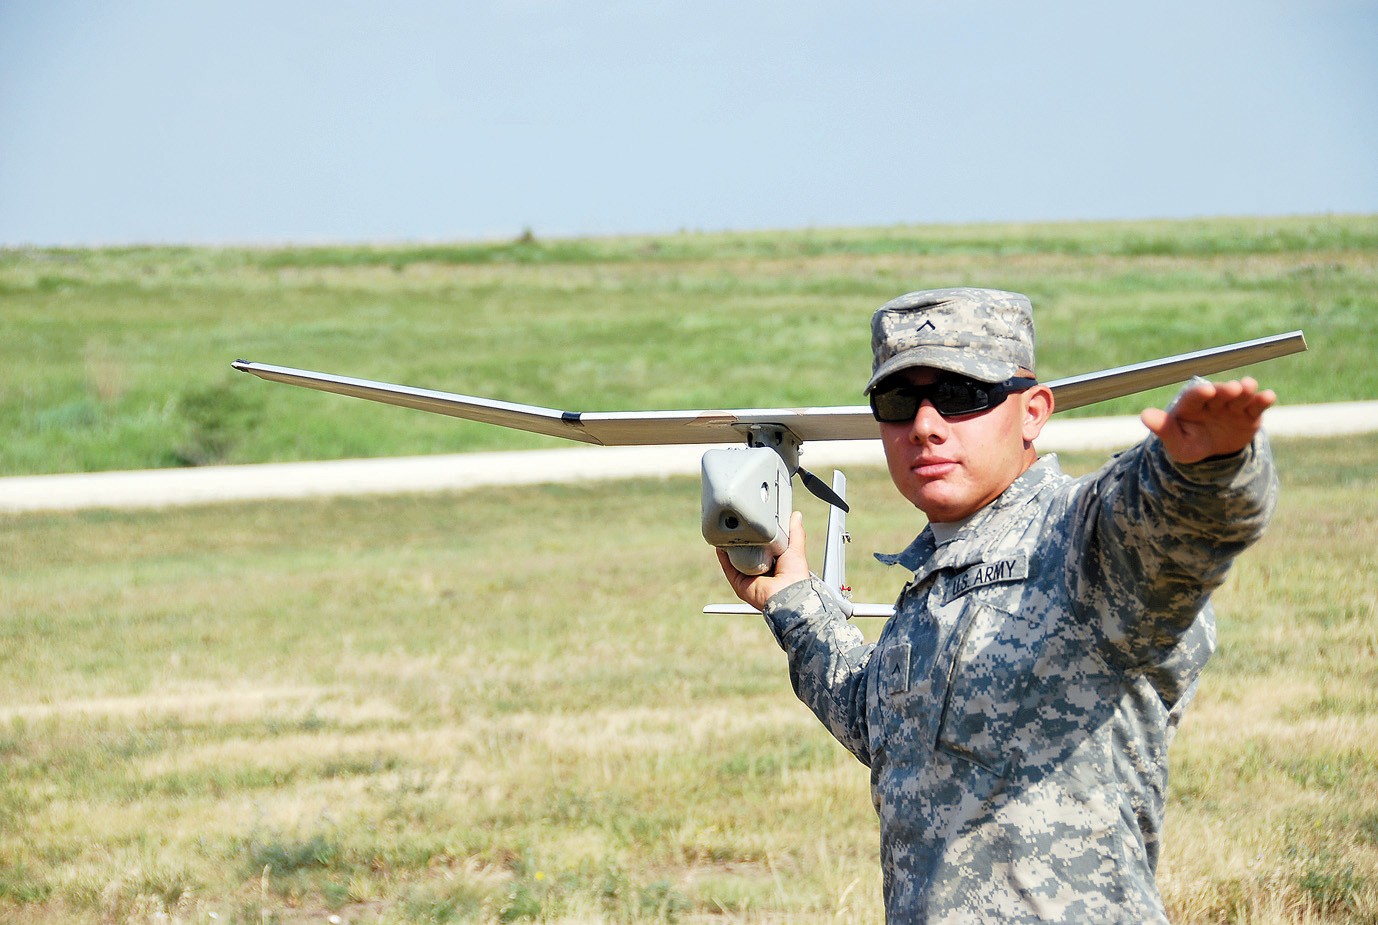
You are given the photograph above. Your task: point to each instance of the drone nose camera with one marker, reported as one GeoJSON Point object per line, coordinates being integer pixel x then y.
{"type": "Point", "coordinates": [746, 505]}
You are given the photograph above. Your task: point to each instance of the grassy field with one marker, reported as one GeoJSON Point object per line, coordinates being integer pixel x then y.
{"type": "Point", "coordinates": [504, 707]}
{"type": "Point", "coordinates": [119, 359]}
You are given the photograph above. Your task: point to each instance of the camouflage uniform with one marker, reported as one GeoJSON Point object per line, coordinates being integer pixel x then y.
{"type": "Point", "coordinates": [1016, 711]}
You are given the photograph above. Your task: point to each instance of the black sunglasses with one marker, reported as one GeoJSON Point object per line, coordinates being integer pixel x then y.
{"type": "Point", "coordinates": [952, 396]}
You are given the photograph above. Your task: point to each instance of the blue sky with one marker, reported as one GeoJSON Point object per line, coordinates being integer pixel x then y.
{"type": "Point", "coordinates": [218, 122]}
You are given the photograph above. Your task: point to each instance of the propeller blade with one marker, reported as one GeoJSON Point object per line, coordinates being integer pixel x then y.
{"type": "Point", "coordinates": [821, 490]}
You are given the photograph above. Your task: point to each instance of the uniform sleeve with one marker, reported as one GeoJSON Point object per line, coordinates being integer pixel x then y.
{"type": "Point", "coordinates": [827, 660]}
{"type": "Point", "coordinates": [1153, 538]}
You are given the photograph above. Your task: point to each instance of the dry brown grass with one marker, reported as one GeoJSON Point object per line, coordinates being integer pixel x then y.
{"type": "Point", "coordinates": [374, 709]}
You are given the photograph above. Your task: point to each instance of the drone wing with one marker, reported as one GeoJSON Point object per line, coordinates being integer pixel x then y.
{"type": "Point", "coordinates": [1076, 391]}
{"type": "Point", "coordinates": [628, 428]}
{"type": "Point", "coordinates": [605, 428]}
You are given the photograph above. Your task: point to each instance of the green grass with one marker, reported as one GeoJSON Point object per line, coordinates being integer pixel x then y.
{"type": "Point", "coordinates": [504, 706]}
{"type": "Point", "coordinates": [119, 358]}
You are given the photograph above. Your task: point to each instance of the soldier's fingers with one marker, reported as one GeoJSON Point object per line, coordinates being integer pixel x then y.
{"type": "Point", "coordinates": [1260, 402]}
{"type": "Point", "coordinates": [1227, 394]}
{"type": "Point", "coordinates": [735, 578]}
{"type": "Point", "coordinates": [1239, 404]}
{"type": "Point", "coordinates": [728, 569]}
{"type": "Point", "coordinates": [796, 529]}
{"type": "Point", "coordinates": [1193, 398]}
{"type": "Point", "coordinates": [1155, 419]}
{"type": "Point", "coordinates": [1249, 401]}
{"type": "Point", "coordinates": [795, 558]}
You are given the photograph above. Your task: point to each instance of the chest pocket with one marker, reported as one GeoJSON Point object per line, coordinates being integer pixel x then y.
{"type": "Point", "coordinates": [902, 712]}
{"type": "Point", "coordinates": [989, 681]}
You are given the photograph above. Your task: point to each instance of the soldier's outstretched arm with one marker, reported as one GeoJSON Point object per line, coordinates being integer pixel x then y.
{"type": "Point", "coordinates": [1159, 526]}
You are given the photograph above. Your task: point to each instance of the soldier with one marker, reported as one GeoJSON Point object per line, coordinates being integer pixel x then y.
{"type": "Point", "coordinates": [1016, 711]}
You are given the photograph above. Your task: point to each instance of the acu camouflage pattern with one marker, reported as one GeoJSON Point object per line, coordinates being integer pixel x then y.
{"type": "Point", "coordinates": [1016, 712]}
{"type": "Point", "coordinates": [986, 334]}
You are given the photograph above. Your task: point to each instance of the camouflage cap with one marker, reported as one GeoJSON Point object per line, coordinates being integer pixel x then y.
{"type": "Point", "coordinates": [986, 334]}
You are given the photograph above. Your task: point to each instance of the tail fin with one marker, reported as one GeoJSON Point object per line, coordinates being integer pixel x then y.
{"type": "Point", "coordinates": [835, 552]}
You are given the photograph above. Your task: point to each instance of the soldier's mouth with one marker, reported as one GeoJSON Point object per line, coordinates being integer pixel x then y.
{"type": "Point", "coordinates": [933, 468]}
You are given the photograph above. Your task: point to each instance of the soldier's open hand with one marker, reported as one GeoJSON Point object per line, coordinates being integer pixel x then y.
{"type": "Point", "coordinates": [1210, 419]}
{"type": "Point", "coordinates": [792, 566]}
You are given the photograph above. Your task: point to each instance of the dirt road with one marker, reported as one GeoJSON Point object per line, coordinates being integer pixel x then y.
{"type": "Point", "coordinates": [219, 484]}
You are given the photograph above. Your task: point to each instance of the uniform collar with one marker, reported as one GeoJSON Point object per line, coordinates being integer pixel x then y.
{"type": "Point", "coordinates": [971, 541]}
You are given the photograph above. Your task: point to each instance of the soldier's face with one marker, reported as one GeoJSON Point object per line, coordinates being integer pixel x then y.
{"type": "Point", "coordinates": [950, 468]}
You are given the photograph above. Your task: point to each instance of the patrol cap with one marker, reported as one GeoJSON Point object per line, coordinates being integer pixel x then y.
{"type": "Point", "coordinates": [986, 334]}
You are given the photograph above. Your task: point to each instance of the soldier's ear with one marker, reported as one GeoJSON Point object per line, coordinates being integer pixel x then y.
{"type": "Point", "coordinates": [1038, 407]}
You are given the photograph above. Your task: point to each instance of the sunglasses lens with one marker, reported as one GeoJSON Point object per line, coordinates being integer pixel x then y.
{"type": "Point", "coordinates": [951, 398]}
{"type": "Point", "coordinates": [959, 396]}
{"type": "Point", "coordinates": [894, 405]}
